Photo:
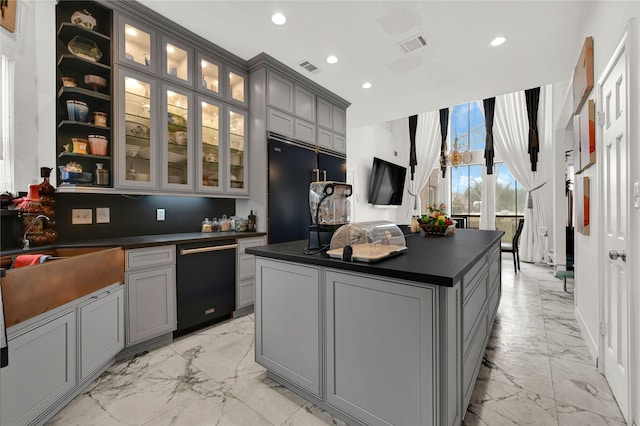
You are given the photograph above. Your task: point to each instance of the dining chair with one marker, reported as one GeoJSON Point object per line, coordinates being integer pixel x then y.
{"type": "Point", "coordinates": [513, 247]}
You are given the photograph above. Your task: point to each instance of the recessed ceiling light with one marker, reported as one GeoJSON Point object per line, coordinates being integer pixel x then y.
{"type": "Point", "coordinates": [131, 31]}
{"type": "Point", "coordinates": [498, 41]}
{"type": "Point", "coordinates": [367, 85]}
{"type": "Point", "coordinates": [170, 48]}
{"type": "Point", "coordinates": [278, 18]}
{"type": "Point", "coordinates": [332, 59]}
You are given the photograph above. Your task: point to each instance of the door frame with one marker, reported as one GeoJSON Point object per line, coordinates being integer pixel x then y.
{"type": "Point", "coordinates": [623, 48]}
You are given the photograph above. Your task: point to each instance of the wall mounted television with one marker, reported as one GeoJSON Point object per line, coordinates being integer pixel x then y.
{"type": "Point", "coordinates": [386, 186]}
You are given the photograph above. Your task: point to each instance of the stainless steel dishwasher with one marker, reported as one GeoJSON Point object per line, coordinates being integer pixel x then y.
{"type": "Point", "coordinates": [206, 283]}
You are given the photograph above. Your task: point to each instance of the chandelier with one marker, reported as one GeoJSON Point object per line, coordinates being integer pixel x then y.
{"type": "Point", "coordinates": [456, 157]}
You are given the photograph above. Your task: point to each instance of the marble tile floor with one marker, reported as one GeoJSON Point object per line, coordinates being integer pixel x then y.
{"type": "Point", "coordinates": [536, 370]}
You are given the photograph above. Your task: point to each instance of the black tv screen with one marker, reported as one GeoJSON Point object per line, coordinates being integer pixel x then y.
{"type": "Point", "coordinates": [387, 183]}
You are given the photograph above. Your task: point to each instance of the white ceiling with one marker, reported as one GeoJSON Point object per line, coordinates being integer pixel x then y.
{"type": "Point", "coordinates": [544, 39]}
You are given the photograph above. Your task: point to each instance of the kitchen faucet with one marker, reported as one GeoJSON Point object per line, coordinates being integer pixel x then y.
{"type": "Point", "coordinates": [25, 241]}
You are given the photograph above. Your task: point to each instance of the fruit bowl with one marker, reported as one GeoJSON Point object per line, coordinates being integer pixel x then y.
{"type": "Point", "coordinates": [437, 230]}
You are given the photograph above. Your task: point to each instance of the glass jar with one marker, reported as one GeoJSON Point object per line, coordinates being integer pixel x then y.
{"type": "Point", "coordinates": [206, 225]}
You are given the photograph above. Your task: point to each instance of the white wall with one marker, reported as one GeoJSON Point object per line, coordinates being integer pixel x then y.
{"type": "Point", "coordinates": [35, 102]}
{"type": "Point", "coordinates": [388, 141]}
{"type": "Point", "coordinates": [607, 26]}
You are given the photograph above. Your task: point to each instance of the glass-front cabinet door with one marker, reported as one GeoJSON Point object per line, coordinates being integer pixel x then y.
{"type": "Point", "coordinates": [210, 154]}
{"type": "Point", "coordinates": [178, 138]}
{"type": "Point", "coordinates": [137, 45]}
{"type": "Point", "coordinates": [237, 87]}
{"type": "Point", "coordinates": [209, 78]}
{"type": "Point", "coordinates": [237, 154]}
{"type": "Point", "coordinates": [137, 146]}
{"type": "Point", "coordinates": [177, 62]}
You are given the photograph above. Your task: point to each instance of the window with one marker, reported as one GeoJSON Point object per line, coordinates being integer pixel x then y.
{"type": "Point", "coordinates": [464, 182]}
{"type": "Point", "coordinates": [6, 125]}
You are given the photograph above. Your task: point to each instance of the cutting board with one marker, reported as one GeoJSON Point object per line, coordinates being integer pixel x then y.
{"type": "Point", "coordinates": [369, 252]}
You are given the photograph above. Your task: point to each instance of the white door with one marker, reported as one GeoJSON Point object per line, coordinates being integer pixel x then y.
{"type": "Point", "coordinates": [614, 105]}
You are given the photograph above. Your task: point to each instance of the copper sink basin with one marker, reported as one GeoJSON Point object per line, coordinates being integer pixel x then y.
{"type": "Point", "coordinates": [74, 272]}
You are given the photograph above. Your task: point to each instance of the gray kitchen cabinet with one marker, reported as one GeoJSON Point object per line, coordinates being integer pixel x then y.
{"type": "Point", "coordinates": [280, 92]}
{"type": "Point", "coordinates": [101, 330]}
{"type": "Point", "coordinates": [137, 45]}
{"type": "Point", "coordinates": [56, 355]}
{"type": "Point", "coordinates": [325, 115]}
{"type": "Point", "coordinates": [304, 131]}
{"type": "Point", "coordinates": [288, 327]}
{"type": "Point", "coordinates": [150, 277]}
{"type": "Point", "coordinates": [237, 91]}
{"type": "Point", "coordinates": [178, 139]}
{"type": "Point", "coordinates": [41, 370]}
{"type": "Point", "coordinates": [177, 61]}
{"type": "Point", "coordinates": [304, 104]}
{"type": "Point", "coordinates": [332, 121]}
{"type": "Point", "coordinates": [138, 153]}
{"type": "Point", "coordinates": [280, 122]}
{"type": "Point", "coordinates": [391, 351]}
{"type": "Point", "coordinates": [363, 368]}
{"type": "Point", "coordinates": [246, 272]}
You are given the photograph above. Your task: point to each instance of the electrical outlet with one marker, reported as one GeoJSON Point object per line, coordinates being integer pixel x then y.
{"type": "Point", "coordinates": [102, 215]}
{"type": "Point", "coordinates": [81, 216]}
{"type": "Point", "coordinates": [160, 215]}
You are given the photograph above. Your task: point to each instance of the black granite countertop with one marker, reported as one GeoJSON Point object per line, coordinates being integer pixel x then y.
{"type": "Point", "coordinates": [433, 260]}
{"type": "Point", "coordinates": [143, 241]}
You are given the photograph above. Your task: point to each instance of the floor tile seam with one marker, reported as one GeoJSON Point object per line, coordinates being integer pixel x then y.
{"type": "Point", "coordinates": [619, 420]}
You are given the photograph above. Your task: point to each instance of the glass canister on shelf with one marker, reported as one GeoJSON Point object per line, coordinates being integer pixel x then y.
{"type": "Point", "coordinates": [225, 223]}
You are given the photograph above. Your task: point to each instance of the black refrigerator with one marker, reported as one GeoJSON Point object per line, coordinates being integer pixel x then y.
{"type": "Point", "coordinates": [290, 171]}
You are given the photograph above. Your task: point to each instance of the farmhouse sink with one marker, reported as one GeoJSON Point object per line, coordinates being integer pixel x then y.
{"type": "Point", "coordinates": [74, 272]}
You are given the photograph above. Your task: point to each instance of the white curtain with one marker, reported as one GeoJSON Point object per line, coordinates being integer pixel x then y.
{"type": "Point", "coordinates": [488, 207]}
{"type": "Point", "coordinates": [511, 132]}
{"type": "Point", "coordinates": [427, 155]}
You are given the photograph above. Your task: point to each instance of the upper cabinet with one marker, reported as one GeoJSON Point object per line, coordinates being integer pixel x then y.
{"type": "Point", "coordinates": [177, 62]}
{"type": "Point", "coordinates": [138, 131]}
{"type": "Point", "coordinates": [182, 117]}
{"type": "Point", "coordinates": [83, 86]}
{"type": "Point", "coordinates": [295, 110]}
{"type": "Point", "coordinates": [237, 87]}
{"type": "Point", "coordinates": [210, 72]}
{"type": "Point", "coordinates": [332, 126]}
{"type": "Point", "coordinates": [137, 45]}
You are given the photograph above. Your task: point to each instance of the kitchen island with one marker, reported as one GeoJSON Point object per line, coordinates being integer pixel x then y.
{"type": "Point", "coordinates": [398, 342]}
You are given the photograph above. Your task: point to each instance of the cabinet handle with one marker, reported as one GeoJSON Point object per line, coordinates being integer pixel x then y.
{"type": "Point", "coordinates": [325, 175]}
{"type": "Point", "coordinates": [207, 249]}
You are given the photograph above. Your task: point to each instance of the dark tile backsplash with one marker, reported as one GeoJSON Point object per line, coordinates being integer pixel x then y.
{"type": "Point", "coordinates": [134, 215]}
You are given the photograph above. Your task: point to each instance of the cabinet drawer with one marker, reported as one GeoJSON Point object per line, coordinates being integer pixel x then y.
{"type": "Point", "coordinates": [473, 278]}
{"type": "Point", "coordinates": [245, 243]}
{"type": "Point", "coordinates": [279, 122]}
{"type": "Point", "coordinates": [246, 266]}
{"type": "Point", "coordinates": [494, 269]}
{"type": "Point", "coordinates": [473, 359]}
{"type": "Point", "coordinates": [471, 313]}
{"type": "Point", "coordinates": [145, 257]}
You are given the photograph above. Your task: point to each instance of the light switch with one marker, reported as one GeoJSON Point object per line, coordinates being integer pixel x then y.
{"type": "Point", "coordinates": [160, 215]}
{"type": "Point", "coordinates": [102, 215]}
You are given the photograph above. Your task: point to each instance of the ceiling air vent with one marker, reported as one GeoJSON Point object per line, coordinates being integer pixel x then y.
{"type": "Point", "coordinates": [309, 66]}
{"type": "Point", "coordinates": [412, 44]}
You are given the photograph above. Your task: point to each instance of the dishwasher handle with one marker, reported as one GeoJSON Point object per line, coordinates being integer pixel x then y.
{"type": "Point", "coordinates": [207, 249]}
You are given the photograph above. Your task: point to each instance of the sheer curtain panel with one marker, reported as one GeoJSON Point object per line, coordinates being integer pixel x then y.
{"type": "Point", "coordinates": [511, 143]}
{"type": "Point", "coordinates": [427, 154]}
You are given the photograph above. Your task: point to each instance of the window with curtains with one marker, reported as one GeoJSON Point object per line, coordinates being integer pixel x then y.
{"type": "Point", "coordinates": [467, 133]}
